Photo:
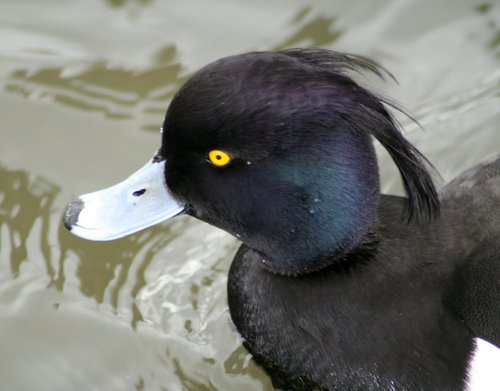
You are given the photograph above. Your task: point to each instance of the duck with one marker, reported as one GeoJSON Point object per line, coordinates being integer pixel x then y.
{"type": "Point", "coordinates": [335, 286]}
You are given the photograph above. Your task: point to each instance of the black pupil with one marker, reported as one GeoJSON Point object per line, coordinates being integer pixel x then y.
{"type": "Point", "coordinates": [218, 157]}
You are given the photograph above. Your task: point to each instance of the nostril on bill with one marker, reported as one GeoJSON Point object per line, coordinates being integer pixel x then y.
{"type": "Point", "coordinates": [138, 193]}
{"type": "Point", "coordinates": [72, 212]}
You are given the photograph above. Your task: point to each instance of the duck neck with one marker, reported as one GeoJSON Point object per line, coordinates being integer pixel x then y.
{"type": "Point", "coordinates": [340, 248]}
{"type": "Point", "coordinates": [334, 259]}
{"type": "Point", "coordinates": [329, 211]}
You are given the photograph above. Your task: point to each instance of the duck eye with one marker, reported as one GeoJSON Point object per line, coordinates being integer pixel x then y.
{"type": "Point", "coordinates": [219, 158]}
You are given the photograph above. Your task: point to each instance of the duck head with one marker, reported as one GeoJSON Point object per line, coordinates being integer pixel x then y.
{"type": "Point", "coordinates": [276, 148]}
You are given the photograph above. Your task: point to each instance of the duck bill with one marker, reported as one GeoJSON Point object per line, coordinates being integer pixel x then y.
{"type": "Point", "coordinates": [138, 202]}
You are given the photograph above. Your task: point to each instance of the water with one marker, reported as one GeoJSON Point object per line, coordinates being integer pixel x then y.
{"type": "Point", "coordinates": [83, 88]}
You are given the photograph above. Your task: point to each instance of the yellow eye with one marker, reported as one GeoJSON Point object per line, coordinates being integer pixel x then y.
{"type": "Point", "coordinates": [219, 158]}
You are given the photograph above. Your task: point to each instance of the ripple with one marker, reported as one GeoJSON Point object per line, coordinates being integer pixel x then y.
{"type": "Point", "coordinates": [116, 92]}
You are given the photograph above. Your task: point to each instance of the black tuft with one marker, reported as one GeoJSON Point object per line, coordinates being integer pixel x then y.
{"type": "Point", "coordinates": [372, 117]}
{"type": "Point", "coordinates": [72, 212]}
{"type": "Point", "coordinates": [336, 62]}
{"type": "Point", "coordinates": [422, 202]}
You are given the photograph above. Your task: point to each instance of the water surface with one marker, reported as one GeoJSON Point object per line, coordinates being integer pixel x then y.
{"type": "Point", "coordinates": [83, 89]}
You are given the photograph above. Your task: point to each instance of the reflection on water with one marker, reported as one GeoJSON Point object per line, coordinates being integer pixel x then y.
{"type": "Point", "coordinates": [121, 3]}
{"type": "Point", "coordinates": [493, 26]}
{"type": "Point", "coordinates": [319, 31]}
{"type": "Point", "coordinates": [117, 93]}
{"type": "Point", "coordinates": [108, 270]}
{"type": "Point", "coordinates": [25, 207]}
{"type": "Point", "coordinates": [148, 312]}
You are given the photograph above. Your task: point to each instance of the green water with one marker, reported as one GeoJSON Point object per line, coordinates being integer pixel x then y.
{"type": "Point", "coordinates": [83, 88]}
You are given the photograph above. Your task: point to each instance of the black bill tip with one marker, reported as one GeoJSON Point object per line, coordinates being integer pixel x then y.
{"type": "Point", "coordinates": [71, 213]}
